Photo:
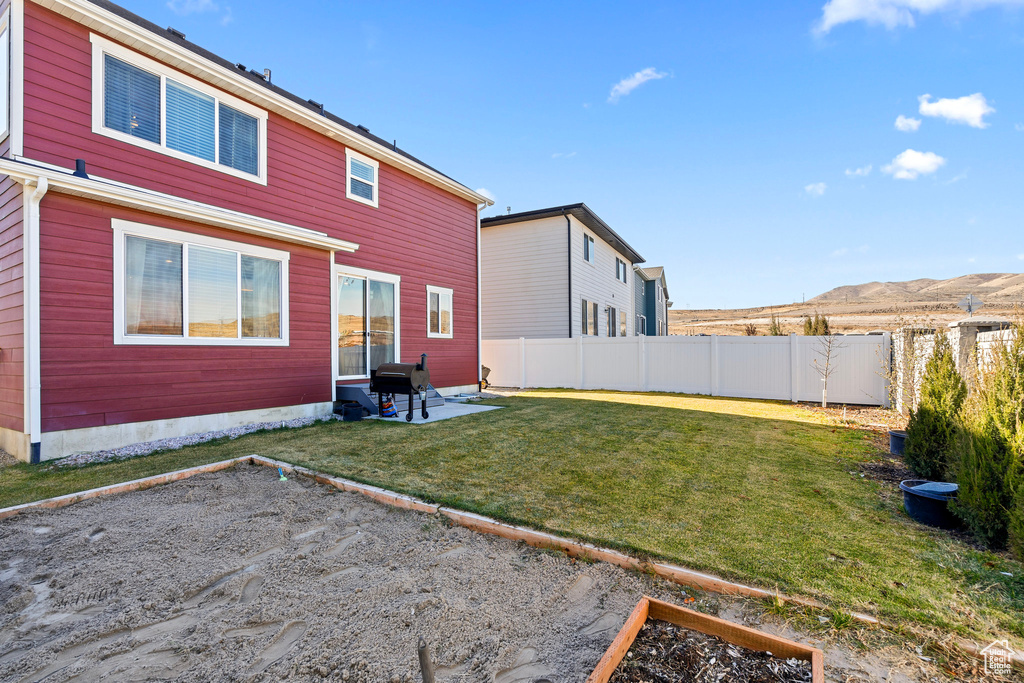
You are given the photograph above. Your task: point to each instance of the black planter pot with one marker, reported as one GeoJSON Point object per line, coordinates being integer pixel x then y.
{"type": "Point", "coordinates": [928, 502]}
{"type": "Point", "coordinates": [897, 438]}
{"type": "Point", "coordinates": [352, 412]}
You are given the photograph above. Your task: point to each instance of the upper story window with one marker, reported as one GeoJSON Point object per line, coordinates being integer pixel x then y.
{"type": "Point", "coordinates": [363, 176]}
{"type": "Point", "coordinates": [588, 248]}
{"type": "Point", "coordinates": [5, 73]}
{"type": "Point", "coordinates": [439, 312]}
{"type": "Point", "coordinates": [143, 102]}
{"type": "Point", "coordinates": [173, 287]}
{"type": "Point", "coordinates": [620, 270]}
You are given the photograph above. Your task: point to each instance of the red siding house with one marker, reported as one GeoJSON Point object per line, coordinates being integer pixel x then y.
{"type": "Point", "coordinates": [222, 253]}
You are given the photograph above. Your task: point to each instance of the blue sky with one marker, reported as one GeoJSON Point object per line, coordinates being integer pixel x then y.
{"type": "Point", "coordinates": [729, 151]}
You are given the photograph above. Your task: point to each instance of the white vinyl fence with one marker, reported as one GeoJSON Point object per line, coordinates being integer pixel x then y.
{"type": "Point", "coordinates": [743, 367]}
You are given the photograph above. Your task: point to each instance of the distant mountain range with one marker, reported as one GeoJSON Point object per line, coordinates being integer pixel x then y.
{"type": "Point", "coordinates": [989, 287]}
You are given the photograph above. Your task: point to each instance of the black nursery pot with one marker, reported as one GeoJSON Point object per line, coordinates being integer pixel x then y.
{"type": "Point", "coordinates": [352, 412]}
{"type": "Point", "coordinates": [928, 502]}
{"type": "Point", "coordinates": [897, 438]}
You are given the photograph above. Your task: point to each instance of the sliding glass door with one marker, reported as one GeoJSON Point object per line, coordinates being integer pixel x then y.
{"type": "Point", "coordinates": [367, 306]}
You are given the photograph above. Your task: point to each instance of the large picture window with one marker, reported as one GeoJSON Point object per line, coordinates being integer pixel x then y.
{"type": "Point", "coordinates": [146, 103]}
{"type": "Point", "coordinates": [173, 287]}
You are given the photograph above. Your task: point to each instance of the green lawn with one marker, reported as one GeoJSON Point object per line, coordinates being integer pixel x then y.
{"type": "Point", "coordinates": [752, 490]}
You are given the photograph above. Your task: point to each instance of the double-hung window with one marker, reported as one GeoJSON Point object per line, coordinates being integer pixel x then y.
{"type": "Point", "coordinates": [622, 323]}
{"type": "Point", "coordinates": [620, 270]}
{"type": "Point", "coordinates": [589, 318]}
{"type": "Point", "coordinates": [588, 248]}
{"type": "Point", "coordinates": [143, 102]}
{"type": "Point", "coordinates": [173, 287]}
{"type": "Point", "coordinates": [363, 176]}
{"type": "Point", "coordinates": [5, 73]}
{"type": "Point", "coordinates": [612, 322]}
{"type": "Point", "coordinates": [439, 312]}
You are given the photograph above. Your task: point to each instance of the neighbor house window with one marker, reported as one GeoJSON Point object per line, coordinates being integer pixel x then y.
{"type": "Point", "coordinates": [146, 103]}
{"type": "Point", "coordinates": [612, 319]}
{"type": "Point", "coordinates": [641, 325]}
{"type": "Point", "coordinates": [439, 312]}
{"type": "Point", "coordinates": [589, 318]}
{"type": "Point", "coordinates": [622, 323]}
{"type": "Point", "coordinates": [362, 178]}
{"type": "Point", "coordinates": [175, 287]}
{"type": "Point", "coordinates": [620, 270]}
{"type": "Point", "coordinates": [5, 73]}
{"type": "Point", "coordinates": [588, 248]}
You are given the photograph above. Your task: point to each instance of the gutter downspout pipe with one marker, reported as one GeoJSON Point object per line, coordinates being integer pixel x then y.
{"type": "Point", "coordinates": [479, 303]}
{"type": "Point", "coordinates": [36, 190]}
{"type": "Point", "coordinates": [568, 225]}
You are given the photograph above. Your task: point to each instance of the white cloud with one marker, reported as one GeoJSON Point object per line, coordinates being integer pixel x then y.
{"type": "Point", "coordinates": [907, 124]}
{"type": "Point", "coordinates": [957, 178]}
{"type": "Point", "coordinates": [487, 193]}
{"type": "Point", "coordinates": [815, 189]}
{"type": "Point", "coordinates": [895, 13]}
{"type": "Point", "coordinates": [862, 171]}
{"type": "Point", "coordinates": [910, 164]}
{"type": "Point", "coordinates": [970, 109]}
{"type": "Point", "coordinates": [1019, 127]}
{"type": "Point", "coordinates": [843, 251]}
{"type": "Point", "coordinates": [1020, 257]}
{"type": "Point", "coordinates": [839, 252]}
{"type": "Point", "coordinates": [563, 155]}
{"type": "Point", "coordinates": [628, 85]}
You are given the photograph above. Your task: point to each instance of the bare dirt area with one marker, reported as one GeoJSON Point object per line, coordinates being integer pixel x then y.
{"type": "Point", "coordinates": [844, 318]}
{"type": "Point", "coordinates": [240, 576]}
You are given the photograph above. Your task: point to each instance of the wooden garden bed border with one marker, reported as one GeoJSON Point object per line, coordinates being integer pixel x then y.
{"type": "Point", "coordinates": [475, 522]}
{"type": "Point", "coordinates": [651, 608]}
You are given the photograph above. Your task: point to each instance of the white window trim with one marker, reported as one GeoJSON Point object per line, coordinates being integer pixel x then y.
{"type": "Point", "coordinates": [592, 250]}
{"type": "Point", "coordinates": [396, 280]}
{"type": "Point", "coordinates": [349, 156]}
{"type": "Point", "coordinates": [7, 78]}
{"type": "Point", "coordinates": [101, 46]}
{"type": "Point", "coordinates": [440, 291]}
{"type": "Point", "coordinates": [123, 228]}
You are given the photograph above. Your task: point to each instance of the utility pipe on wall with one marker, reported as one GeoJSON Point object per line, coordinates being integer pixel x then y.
{"type": "Point", "coordinates": [35, 190]}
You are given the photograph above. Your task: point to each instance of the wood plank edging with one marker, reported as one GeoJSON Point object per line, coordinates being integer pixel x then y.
{"type": "Point", "coordinates": [472, 521]}
{"type": "Point", "coordinates": [737, 634]}
{"type": "Point", "coordinates": [125, 487]}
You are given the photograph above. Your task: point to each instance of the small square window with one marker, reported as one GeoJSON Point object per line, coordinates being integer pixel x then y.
{"type": "Point", "coordinates": [363, 177]}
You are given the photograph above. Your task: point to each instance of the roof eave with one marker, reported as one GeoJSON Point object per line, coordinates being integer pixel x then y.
{"type": "Point", "coordinates": [102, 21]}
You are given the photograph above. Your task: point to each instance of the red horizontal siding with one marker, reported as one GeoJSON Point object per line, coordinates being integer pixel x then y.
{"type": "Point", "coordinates": [12, 325]}
{"type": "Point", "coordinates": [88, 381]}
{"type": "Point", "coordinates": [420, 232]}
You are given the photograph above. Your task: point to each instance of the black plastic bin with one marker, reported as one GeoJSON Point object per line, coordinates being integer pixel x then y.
{"type": "Point", "coordinates": [928, 502]}
{"type": "Point", "coordinates": [351, 412]}
{"type": "Point", "coordinates": [897, 438]}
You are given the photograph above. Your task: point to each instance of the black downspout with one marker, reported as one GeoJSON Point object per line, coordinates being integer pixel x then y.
{"type": "Point", "coordinates": [568, 225]}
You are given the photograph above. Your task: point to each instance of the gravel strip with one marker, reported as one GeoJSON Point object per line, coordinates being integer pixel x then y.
{"type": "Point", "coordinates": [137, 449]}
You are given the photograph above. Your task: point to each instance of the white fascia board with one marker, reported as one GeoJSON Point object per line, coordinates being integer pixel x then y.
{"type": "Point", "coordinates": [176, 207]}
{"type": "Point", "coordinates": [101, 21]}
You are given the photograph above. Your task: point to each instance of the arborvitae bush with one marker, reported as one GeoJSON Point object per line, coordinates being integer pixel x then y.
{"type": "Point", "coordinates": [816, 326]}
{"type": "Point", "coordinates": [991, 460]}
{"type": "Point", "coordinates": [1016, 525]}
{"type": "Point", "coordinates": [934, 422]}
{"type": "Point", "coordinates": [775, 328]}
{"type": "Point", "coordinates": [984, 498]}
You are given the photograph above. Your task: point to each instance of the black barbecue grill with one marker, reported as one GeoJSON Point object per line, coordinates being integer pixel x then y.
{"type": "Point", "coordinates": [402, 378]}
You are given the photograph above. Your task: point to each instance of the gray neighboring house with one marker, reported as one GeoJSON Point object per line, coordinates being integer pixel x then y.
{"type": "Point", "coordinates": [651, 301]}
{"type": "Point", "coordinates": [555, 273]}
